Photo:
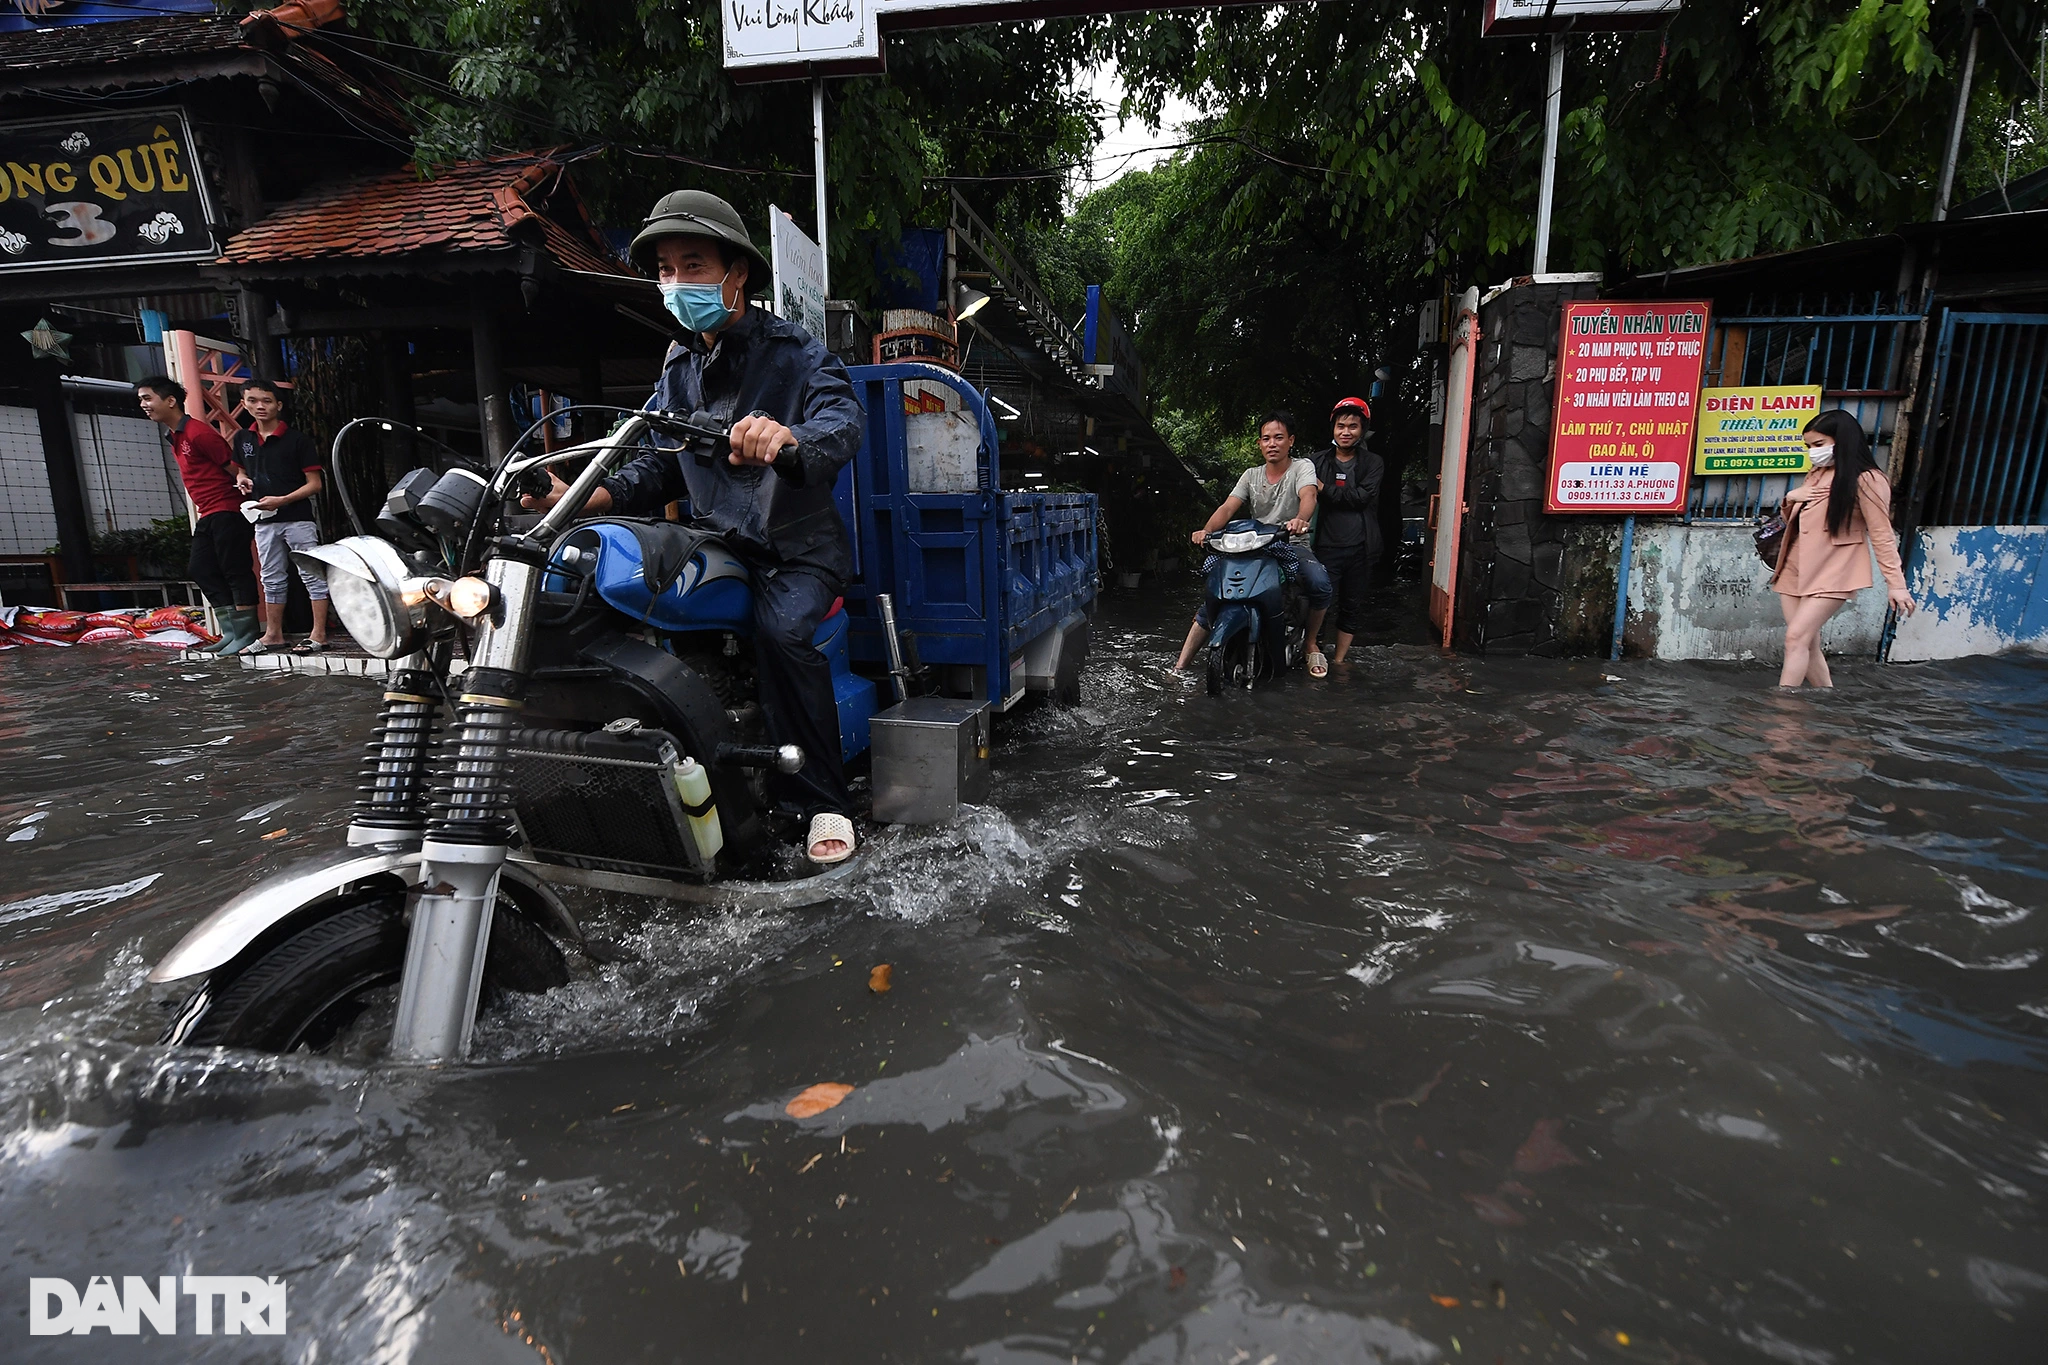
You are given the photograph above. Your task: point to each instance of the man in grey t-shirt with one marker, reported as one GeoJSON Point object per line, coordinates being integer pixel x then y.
{"type": "Point", "coordinates": [1280, 491]}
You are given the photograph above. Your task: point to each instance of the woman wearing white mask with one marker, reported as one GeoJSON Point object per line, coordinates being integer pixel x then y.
{"type": "Point", "coordinates": [1844, 506]}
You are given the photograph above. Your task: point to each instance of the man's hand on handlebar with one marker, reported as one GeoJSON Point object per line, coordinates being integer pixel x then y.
{"type": "Point", "coordinates": [554, 495]}
{"type": "Point", "coordinates": [756, 440]}
{"type": "Point", "coordinates": [1201, 537]}
{"type": "Point", "coordinates": [600, 500]}
{"type": "Point", "coordinates": [1297, 526]}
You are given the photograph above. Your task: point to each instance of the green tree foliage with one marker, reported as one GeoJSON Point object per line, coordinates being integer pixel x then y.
{"type": "Point", "coordinates": [1362, 156]}
{"type": "Point", "coordinates": [640, 86]}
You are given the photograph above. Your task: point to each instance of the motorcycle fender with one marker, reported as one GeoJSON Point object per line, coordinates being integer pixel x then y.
{"type": "Point", "coordinates": [536, 900]}
{"type": "Point", "coordinates": [1233, 618]}
{"type": "Point", "coordinates": [221, 936]}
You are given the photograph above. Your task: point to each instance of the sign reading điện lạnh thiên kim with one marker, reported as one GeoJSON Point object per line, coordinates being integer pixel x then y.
{"type": "Point", "coordinates": [1755, 431]}
{"type": "Point", "coordinates": [1628, 388]}
{"type": "Point", "coordinates": [104, 189]}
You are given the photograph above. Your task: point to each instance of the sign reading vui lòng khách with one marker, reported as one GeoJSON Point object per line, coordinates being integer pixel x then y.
{"type": "Point", "coordinates": [815, 34]}
{"type": "Point", "coordinates": [104, 189]}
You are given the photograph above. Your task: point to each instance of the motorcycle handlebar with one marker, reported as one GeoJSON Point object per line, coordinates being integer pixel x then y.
{"type": "Point", "coordinates": [702, 427]}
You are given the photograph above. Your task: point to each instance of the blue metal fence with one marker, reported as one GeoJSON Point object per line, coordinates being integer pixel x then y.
{"type": "Point", "coordinates": [1988, 440]}
{"type": "Point", "coordinates": [1853, 347]}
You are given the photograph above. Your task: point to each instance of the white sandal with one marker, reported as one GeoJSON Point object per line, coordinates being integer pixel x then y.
{"type": "Point", "coordinates": [828, 827]}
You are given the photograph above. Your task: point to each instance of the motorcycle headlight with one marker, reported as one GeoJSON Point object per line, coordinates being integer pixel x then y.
{"type": "Point", "coordinates": [467, 598]}
{"type": "Point", "coordinates": [380, 602]}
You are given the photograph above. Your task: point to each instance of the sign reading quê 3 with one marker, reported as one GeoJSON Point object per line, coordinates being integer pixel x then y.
{"type": "Point", "coordinates": [1628, 393]}
{"type": "Point", "coordinates": [103, 189]}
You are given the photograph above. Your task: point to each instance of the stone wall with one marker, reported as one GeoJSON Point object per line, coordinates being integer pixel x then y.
{"type": "Point", "coordinates": [1528, 582]}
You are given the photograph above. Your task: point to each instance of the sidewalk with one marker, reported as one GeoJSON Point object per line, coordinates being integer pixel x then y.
{"type": "Point", "coordinates": [340, 657]}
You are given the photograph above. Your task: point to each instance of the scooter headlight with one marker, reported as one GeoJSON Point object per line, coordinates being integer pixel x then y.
{"type": "Point", "coordinates": [1243, 542]}
{"type": "Point", "coordinates": [380, 602]}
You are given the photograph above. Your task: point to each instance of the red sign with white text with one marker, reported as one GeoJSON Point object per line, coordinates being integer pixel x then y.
{"type": "Point", "coordinates": [1628, 396]}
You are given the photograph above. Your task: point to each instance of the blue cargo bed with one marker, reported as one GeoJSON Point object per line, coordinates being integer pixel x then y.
{"type": "Point", "coordinates": [992, 588]}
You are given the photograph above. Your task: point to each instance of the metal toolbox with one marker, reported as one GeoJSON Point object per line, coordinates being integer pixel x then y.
{"type": "Point", "coordinates": [930, 759]}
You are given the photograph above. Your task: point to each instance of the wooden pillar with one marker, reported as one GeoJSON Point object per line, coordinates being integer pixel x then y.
{"type": "Point", "coordinates": [591, 390]}
{"type": "Point", "coordinates": [60, 460]}
{"type": "Point", "coordinates": [493, 413]}
{"type": "Point", "coordinates": [395, 398]}
{"type": "Point", "coordinates": [261, 357]}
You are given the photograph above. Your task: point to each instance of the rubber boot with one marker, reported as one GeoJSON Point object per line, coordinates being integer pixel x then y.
{"type": "Point", "coordinates": [238, 631]}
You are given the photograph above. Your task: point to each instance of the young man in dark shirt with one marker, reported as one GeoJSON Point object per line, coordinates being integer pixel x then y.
{"type": "Point", "coordinates": [285, 467]}
{"type": "Point", "coordinates": [222, 540]}
{"type": "Point", "coordinates": [1348, 535]}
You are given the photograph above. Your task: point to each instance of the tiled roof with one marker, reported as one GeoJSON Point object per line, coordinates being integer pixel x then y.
{"type": "Point", "coordinates": [466, 208]}
{"type": "Point", "coordinates": [165, 38]}
{"type": "Point", "coordinates": [178, 47]}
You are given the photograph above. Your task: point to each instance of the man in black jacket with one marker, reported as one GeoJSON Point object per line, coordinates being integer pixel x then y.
{"type": "Point", "coordinates": [777, 387]}
{"type": "Point", "coordinates": [1348, 521]}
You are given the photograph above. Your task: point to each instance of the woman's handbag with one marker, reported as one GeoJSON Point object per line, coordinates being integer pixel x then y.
{"type": "Point", "coordinates": [1770, 540]}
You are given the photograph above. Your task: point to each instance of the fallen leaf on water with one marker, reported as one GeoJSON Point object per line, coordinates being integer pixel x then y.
{"type": "Point", "coordinates": [1543, 1150]}
{"type": "Point", "coordinates": [878, 979]}
{"type": "Point", "coordinates": [624, 1107]}
{"type": "Point", "coordinates": [1444, 1300]}
{"type": "Point", "coordinates": [817, 1099]}
{"type": "Point", "coordinates": [812, 1162]}
{"type": "Point", "coordinates": [1494, 1211]}
{"type": "Point", "coordinates": [275, 834]}
{"type": "Point", "coordinates": [1176, 1279]}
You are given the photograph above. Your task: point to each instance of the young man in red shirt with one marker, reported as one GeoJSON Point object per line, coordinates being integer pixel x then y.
{"type": "Point", "coordinates": [223, 543]}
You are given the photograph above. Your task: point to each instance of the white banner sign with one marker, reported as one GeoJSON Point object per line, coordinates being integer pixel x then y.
{"type": "Point", "coordinates": [799, 273]}
{"type": "Point", "coordinates": [786, 38]}
{"type": "Point", "coordinates": [796, 32]}
{"type": "Point", "coordinates": [1576, 16]}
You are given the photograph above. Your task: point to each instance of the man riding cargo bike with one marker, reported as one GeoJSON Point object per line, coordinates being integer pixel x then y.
{"type": "Point", "coordinates": [794, 424]}
{"type": "Point", "coordinates": [578, 696]}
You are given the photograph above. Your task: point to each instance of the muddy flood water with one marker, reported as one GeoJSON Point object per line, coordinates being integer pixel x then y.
{"type": "Point", "coordinates": [1455, 1010]}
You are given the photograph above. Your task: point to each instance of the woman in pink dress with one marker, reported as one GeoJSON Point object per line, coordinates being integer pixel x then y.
{"type": "Point", "coordinates": [1832, 523]}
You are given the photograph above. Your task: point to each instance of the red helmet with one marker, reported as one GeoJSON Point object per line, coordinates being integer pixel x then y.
{"type": "Point", "coordinates": [1364, 408]}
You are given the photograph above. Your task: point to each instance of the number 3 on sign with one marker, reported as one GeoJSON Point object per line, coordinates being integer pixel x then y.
{"type": "Point", "coordinates": [82, 220]}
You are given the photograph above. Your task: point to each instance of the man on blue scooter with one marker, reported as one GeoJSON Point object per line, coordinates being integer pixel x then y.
{"type": "Point", "coordinates": [776, 386]}
{"type": "Point", "coordinates": [1280, 491]}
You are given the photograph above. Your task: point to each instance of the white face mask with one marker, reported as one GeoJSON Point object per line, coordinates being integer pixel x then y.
{"type": "Point", "coordinates": [1821, 456]}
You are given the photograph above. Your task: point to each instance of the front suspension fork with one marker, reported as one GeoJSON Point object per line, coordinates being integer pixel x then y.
{"type": "Point", "coordinates": [469, 831]}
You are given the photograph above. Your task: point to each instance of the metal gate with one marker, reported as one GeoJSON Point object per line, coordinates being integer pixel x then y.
{"type": "Point", "coordinates": [1987, 449]}
{"type": "Point", "coordinates": [1854, 347]}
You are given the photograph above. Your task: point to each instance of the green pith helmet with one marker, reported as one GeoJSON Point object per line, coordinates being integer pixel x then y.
{"type": "Point", "coordinates": [696, 213]}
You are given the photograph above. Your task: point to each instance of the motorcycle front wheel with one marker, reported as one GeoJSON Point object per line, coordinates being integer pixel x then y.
{"type": "Point", "coordinates": [305, 987]}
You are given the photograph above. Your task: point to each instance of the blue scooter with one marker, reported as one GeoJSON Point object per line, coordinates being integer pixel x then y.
{"type": "Point", "coordinates": [1255, 634]}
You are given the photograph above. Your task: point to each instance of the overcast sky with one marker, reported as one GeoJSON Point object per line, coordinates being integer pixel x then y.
{"type": "Point", "coordinates": [1134, 139]}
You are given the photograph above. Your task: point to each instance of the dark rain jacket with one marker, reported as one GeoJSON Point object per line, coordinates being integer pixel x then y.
{"type": "Point", "coordinates": [779, 518]}
{"type": "Point", "coordinates": [1348, 509]}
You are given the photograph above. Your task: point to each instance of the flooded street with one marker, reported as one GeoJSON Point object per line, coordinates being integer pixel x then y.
{"type": "Point", "coordinates": [1457, 1009]}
